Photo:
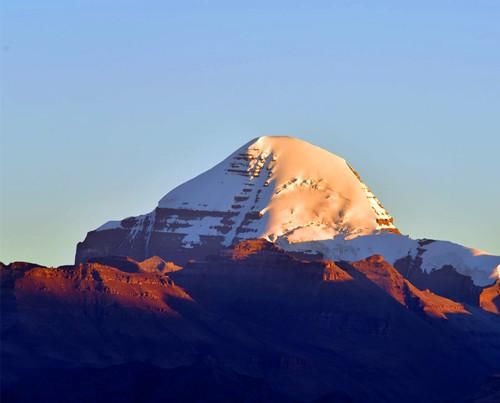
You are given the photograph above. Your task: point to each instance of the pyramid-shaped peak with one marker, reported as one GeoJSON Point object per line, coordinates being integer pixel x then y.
{"type": "Point", "coordinates": [283, 190]}
{"type": "Point", "coordinates": [282, 187]}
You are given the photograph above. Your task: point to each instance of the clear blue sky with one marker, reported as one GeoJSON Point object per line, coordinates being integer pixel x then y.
{"type": "Point", "coordinates": [107, 105]}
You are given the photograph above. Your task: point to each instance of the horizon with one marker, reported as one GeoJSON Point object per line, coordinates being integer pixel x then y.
{"type": "Point", "coordinates": [106, 108]}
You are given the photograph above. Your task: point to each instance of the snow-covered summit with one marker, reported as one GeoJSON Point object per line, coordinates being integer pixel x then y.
{"type": "Point", "coordinates": [281, 186]}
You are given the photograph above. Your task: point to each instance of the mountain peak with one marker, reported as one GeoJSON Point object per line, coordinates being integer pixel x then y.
{"type": "Point", "coordinates": [286, 191]}
{"type": "Point", "coordinates": [283, 187]}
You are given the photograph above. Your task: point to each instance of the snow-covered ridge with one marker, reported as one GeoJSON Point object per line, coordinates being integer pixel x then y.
{"type": "Point", "coordinates": [482, 267]}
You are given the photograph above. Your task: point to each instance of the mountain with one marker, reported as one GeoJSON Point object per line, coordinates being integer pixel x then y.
{"type": "Point", "coordinates": [294, 194]}
{"type": "Point", "coordinates": [272, 187]}
{"type": "Point", "coordinates": [276, 276]}
{"type": "Point", "coordinates": [254, 323]}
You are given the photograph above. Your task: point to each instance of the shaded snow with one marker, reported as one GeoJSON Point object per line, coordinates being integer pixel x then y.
{"type": "Point", "coordinates": [109, 225]}
{"type": "Point", "coordinates": [481, 267]}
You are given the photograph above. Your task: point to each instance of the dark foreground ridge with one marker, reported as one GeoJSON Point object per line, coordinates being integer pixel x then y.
{"type": "Point", "coordinates": [250, 324]}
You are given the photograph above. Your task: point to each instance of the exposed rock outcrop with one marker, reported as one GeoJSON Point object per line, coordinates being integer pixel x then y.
{"type": "Point", "coordinates": [489, 299]}
{"type": "Point", "coordinates": [389, 279]}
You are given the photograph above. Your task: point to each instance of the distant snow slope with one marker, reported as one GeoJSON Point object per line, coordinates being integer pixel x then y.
{"type": "Point", "coordinates": [287, 191]}
{"type": "Point", "coordinates": [482, 267]}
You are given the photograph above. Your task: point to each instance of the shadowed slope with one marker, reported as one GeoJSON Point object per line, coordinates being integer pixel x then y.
{"type": "Point", "coordinates": [139, 382]}
{"type": "Point", "coordinates": [255, 315]}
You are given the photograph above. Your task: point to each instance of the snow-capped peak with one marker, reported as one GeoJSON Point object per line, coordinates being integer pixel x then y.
{"type": "Point", "coordinates": [277, 186]}
{"type": "Point", "coordinates": [287, 191]}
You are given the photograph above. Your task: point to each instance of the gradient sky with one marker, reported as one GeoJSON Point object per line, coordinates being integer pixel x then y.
{"type": "Point", "coordinates": [107, 105]}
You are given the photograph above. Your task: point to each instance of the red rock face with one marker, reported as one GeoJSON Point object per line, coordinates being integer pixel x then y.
{"type": "Point", "coordinates": [389, 279]}
{"type": "Point", "coordinates": [244, 249]}
{"type": "Point", "coordinates": [142, 290]}
{"type": "Point", "coordinates": [334, 273]}
{"type": "Point", "coordinates": [490, 298]}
